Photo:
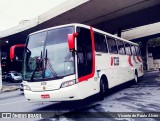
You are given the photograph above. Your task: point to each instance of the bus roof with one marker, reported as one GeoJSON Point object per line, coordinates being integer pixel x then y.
{"type": "Point", "coordinates": [85, 26]}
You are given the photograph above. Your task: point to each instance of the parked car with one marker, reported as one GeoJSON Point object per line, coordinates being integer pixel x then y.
{"type": "Point", "coordinates": [4, 74]}
{"type": "Point", "coordinates": [12, 72]}
{"type": "Point", "coordinates": [13, 76]}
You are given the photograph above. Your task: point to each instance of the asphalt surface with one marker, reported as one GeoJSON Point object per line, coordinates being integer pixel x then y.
{"type": "Point", "coordinates": [5, 83]}
{"type": "Point", "coordinates": [8, 86]}
{"type": "Point", "coordinates": [143, 97]}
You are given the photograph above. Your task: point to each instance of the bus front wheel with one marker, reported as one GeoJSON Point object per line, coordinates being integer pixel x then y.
{"type": "Point", "coordinates": [102, 90]}
{"type": "Point", "coordinates": [135, 77]}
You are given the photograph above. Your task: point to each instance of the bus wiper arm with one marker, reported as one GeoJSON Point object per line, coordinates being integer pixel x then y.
{"type": "Point", "coordinates": [37, 65]}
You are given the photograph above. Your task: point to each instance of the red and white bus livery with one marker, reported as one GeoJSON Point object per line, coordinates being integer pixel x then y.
{"type": "Point", "coordinates": [75, 61]}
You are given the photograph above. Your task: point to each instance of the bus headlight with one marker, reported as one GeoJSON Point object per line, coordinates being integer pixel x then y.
{"type": "Point", "coordinates": [26, 87]}
{"type": "Point", "coordinates": [68, 83]}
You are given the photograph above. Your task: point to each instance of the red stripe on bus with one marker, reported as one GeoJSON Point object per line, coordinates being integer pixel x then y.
{"type": "Point", "coordinates": [129, 61]}
{"type": "Point", "coordinates": [139, 58]}
{"type": "Point", "coordinates": [93, 57]}
{"type": "Point", "coordinates": [111, 61]}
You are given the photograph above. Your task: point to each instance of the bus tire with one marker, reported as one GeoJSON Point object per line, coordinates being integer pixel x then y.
{"type": "Point", "coordinates": [135, 77]}
{"type": "Point", "coordinates": [102, 90]}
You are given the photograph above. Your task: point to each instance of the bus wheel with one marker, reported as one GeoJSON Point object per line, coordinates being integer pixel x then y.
{"type": "Point", "coordinates": [135, 77]}
{"type": "Point", "coordinates": [102, 90]}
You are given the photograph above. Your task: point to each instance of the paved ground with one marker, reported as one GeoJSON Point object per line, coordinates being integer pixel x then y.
{"type": "Point", "coordinates": [143, 97]}
{"type": "Point", "coordinates": [5, 83]}
{"type": "Point", "coordinates": [7, 86]}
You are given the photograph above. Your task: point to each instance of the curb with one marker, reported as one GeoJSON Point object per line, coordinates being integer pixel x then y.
{"type": "Point", "coordinates": [9, 88]}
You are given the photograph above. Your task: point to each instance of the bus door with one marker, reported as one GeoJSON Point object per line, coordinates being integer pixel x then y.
{"type": "Point", "coordinates": [86, 57]}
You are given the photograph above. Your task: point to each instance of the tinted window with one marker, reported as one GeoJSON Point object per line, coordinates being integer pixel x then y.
{"type": "Point", "coordinates": [138, 52]}
{"type": "Point", "coordinates": [37, 40]}
{"type": "Point", "coordinates": [59, 59]}
{"type": "Point", "coordinates": [112, 46]}
{"type": "Point", "coordinates": [127, 48]}
{"type": "Point", "coordinates": [120, 45]}
{"type": "Point", "coordinates": [84, 51]}
{"type": "Point", "coordinates": [100, 43]}
{"type": "Point", "coordinates": [58, 36]}
{"type": "Point", "coordinates": [133, 50]}
{"type": "Point", "coordinates": [47, 55]}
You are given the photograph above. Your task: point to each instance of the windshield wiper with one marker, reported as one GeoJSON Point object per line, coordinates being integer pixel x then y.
{"type": "Point", "coordinates": [48, 63]}
{"type": "Point", "coordinates": [37, 65]}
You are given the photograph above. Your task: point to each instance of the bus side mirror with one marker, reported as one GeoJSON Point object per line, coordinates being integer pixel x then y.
{"type": "Point", "coordinates": [71, 41]}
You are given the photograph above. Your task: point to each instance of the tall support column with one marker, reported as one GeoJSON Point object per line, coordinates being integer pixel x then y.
{"type": "Point", "coordinates": [144, 51]}
{"type": "Point", "coordinates": [147, 61]}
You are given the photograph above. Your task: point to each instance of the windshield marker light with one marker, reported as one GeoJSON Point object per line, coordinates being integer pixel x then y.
{"type": "Point", "coordinates": [68, 83]}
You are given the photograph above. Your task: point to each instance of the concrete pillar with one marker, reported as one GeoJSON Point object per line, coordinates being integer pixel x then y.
{"type": "Point", "coordinates": [147, 62]}
{"type": "Point", "coordinates": [144, 51]}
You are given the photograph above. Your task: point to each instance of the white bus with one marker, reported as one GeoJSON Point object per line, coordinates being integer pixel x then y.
{"type": "Point", "coordinates": [75, 61]}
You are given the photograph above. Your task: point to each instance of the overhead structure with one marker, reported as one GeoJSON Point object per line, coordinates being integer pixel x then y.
{"type": "Point", "coordinates": [112, 16]}
{"type": "Point", "coordinates": [142, 31]}
{"type": "Point", "coordinates": [108, 15]}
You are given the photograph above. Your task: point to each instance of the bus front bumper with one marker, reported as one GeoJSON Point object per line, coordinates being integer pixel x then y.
{"type": "Point", "coordinates": [62, 94]}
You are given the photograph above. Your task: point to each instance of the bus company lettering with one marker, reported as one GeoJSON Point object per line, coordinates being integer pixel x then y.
{"type": "Point", "coordinates": [115, 61]}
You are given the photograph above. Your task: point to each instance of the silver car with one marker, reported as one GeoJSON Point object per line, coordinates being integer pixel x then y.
{"type": "Point", "coordinates": [13, 77]}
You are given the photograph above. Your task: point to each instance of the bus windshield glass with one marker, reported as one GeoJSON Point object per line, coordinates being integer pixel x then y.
{"type": "Point", "coordinates": [47, 56]}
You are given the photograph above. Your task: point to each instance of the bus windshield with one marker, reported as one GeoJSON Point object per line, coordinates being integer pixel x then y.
{"type": "Point", "coordinates": [47, 56]}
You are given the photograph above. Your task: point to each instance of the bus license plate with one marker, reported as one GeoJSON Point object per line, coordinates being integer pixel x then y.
{"type": "Point", "coordinates": [45, 96]}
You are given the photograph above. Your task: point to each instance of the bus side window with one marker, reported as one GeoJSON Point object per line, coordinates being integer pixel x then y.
{"type": "Point", "coordinates": [121, 48]}
{"type": "Point", "coordinates": [133, 50]}
{"type": "Point", "coordinates": [112, 46]}
{"type": "Point", "coordinates": [138, 52]}
{"type": "Point", "coordinates": [128, 48]}
{"type": "Point", "coordinates": [100, 43]}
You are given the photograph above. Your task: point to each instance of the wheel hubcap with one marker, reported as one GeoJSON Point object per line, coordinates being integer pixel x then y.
{"type": "Point", "coordinates": [103, 89]}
